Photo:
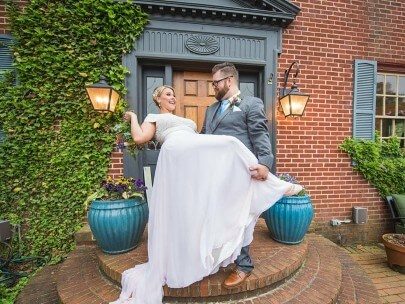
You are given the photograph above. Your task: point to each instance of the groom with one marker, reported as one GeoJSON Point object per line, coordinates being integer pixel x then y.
{"type": "Point", "coordinates": [246, 120]}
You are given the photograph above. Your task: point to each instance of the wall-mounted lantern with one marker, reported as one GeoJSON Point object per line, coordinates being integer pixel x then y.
{"type": "Point", "coordinates": [292, 102]}
{"type": "Point", "coordinates": [103, 97]}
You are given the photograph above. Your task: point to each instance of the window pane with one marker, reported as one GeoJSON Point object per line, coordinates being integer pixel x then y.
{"type": "Point", "coordinates": [401, 88]}
{"type": "Point", "coordinates": [401, 106]}
{"type": "Point", "coordinates": [378, 125]}
{"type": "Point", "coordinates": [151, 84]}
{"type": "Point", "coordinates": [390, 106]}
{"type": "Point", "coordinates": [247, 89]}
{"type": "Point", "coordinates": [379, 105]}
{"type": "Point", "coordinates": [380, 84]}
{"type": "Point", "coordinates": [386, 128]}
{"type": "Point", "coordinates": [391, 85]}
{"type": "Point", "coordinates": [399, 127]}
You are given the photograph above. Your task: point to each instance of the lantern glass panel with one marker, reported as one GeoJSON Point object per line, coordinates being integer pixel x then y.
{"type": "Point", "coordinates": [285, 105]}
{"type": "Point", "coordinates": [99, 97]}
{"type": "Point", "coordinates": [114, 100]}
{"type": "Point", "coordinates": [298, 103]}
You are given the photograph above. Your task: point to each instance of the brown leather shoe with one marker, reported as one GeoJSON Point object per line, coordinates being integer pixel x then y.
{"type": "Point", "coordinates": [236, 278]}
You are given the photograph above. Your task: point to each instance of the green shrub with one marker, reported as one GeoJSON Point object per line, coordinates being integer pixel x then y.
{"type": "Point", "coordinates": [381, 162]}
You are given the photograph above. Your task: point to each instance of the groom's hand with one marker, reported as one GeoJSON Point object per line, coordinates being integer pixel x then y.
{"type": "Point", "coordinates": [259, 172]}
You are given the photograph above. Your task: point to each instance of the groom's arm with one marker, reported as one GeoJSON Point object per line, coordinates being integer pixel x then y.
{"type": "Point", "coordinates": [259, 133]}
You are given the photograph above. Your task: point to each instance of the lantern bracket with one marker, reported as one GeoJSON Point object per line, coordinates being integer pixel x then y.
{"type": "Point", "coordinates": [285, 91]}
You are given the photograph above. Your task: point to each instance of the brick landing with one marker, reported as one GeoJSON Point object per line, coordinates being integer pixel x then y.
{"type": "Point", "coordinates": [390, 284]}
{"type": "Point", "coordinates": [41, 289]}
{"type": "Point", "coordinates": [80, 281]}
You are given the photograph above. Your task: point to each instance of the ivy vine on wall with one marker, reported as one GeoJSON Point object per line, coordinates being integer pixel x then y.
{"type": "Point", "coordinates": [381, 162]}
{"type": "Point", "coordinates": [57, 148]}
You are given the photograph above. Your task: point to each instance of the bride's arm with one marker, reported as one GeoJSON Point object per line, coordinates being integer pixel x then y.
{"type": "Point", "coordinates": [140, 133]}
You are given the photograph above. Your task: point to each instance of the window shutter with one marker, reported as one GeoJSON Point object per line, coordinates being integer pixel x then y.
{"type": "Point", "coordinates": [6, 57]}
{"type": "Point", "coordinates": [2, 135]}
{"type": "Point", "coordinates": [365, 82]}
{"type": "Point", "coordinates": [6, 64]}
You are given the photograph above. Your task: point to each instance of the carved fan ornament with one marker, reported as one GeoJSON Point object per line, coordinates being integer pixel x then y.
{"type": "Point", "coordinates": [203, 45]}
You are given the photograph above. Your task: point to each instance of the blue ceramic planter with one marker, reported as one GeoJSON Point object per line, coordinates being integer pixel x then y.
{"type": "Point", "coordinates": [118, 225]}
{"type": "Point", "coordinates": [289, 218]}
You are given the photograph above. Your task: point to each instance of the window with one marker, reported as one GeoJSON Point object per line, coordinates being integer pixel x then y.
{"type": "Point", "coordinates": [390, 106]}
{"type": "Point", "coordinates": [152, 83]}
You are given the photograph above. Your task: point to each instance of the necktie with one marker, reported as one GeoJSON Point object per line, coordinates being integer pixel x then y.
{"type": "Point", "coordinates": [224, 105]}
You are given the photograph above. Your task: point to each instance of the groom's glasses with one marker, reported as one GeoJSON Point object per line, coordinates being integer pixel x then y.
{"type": "Point", "coordinates": [216, 82]}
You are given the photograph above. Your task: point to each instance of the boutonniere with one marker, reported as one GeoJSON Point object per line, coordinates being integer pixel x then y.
{"type": "Point", "coordinates": [234, 102]}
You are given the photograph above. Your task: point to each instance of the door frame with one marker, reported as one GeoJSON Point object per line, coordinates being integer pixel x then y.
{"type": "Point", "coordinates": [162, 44]}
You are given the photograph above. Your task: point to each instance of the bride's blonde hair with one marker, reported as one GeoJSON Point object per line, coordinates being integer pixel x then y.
{"type": "Point", "coordinates": [158, 92]}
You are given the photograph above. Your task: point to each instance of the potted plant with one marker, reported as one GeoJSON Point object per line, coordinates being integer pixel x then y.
{"type": "Point", "coordinates": [394, 244]}
{"type": "Point", "coordinates": [289, 218]}
{"type": "Point", "coordinates": [118, 214]}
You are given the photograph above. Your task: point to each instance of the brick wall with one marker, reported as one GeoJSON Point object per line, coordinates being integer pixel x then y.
{"type": "Point", "coordinates": [116, 167]}
{"type": "Point", "coordinates": [325, 39]}
{"type": "Point", "coordinates": [4, 24]}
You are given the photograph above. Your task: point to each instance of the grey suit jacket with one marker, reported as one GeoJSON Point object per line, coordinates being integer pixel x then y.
{"type": "Point", "coordinates": [248, 125]}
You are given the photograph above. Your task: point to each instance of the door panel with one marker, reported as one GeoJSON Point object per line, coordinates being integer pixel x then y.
{"type": "Point", "coordinates": [194, 94]}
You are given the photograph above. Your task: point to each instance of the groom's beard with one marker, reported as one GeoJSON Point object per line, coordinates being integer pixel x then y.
{"type": "Point", "coordinates": [219, 95]}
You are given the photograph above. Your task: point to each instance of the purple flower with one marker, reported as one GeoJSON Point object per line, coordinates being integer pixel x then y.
{"type": "Point", "coordinates": [139, 183]}
{"type": "Point", "coordinates": [109, 187]}
{"type": "Point", "coordinates": [120, 145]}
{"type": "Point", "coordinates": [122, 188]}
{"type": "Point", "coordinates": [287, 177]}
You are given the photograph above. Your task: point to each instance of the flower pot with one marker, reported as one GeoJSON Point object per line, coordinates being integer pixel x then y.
{"type": "Point", "coordinates": [118, 225]}
{"type": "Point", "coordinates": [395, 252]}
{"type": "Point", "coordinates": [289, 218]}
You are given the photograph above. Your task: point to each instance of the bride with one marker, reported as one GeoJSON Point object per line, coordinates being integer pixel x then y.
{"type": "Point", "coordinates": [204, 203]}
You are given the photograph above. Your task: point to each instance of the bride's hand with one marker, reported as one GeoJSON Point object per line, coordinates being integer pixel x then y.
{"type": "Point", "coordinates": [128, 115]}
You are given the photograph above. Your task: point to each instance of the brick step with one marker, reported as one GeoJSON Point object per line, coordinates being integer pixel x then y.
{"type": "Point", "coordinates": [357, 286]}
{"type": "Point", "coordinates": [84, 236]}
{"type": "Point", "coordinates": [274, 264]}
{"type": "Point", "coordinates": [317, 282]}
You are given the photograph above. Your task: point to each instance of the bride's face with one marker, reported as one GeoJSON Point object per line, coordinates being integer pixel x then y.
{"type": "Point", "coordinates": [167, 101]}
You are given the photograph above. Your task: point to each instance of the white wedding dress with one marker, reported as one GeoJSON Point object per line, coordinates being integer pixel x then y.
{"type": "Point", "coordinates": [202, 210]}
